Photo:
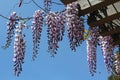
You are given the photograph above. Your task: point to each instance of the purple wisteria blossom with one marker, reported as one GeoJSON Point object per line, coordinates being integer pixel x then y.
{"type": "Point", "coordinates": [107, 46]}
{"type": "Point", "coordinates": [19, 50]}
{"type": "Point", "coordinates": [10, 29]}
{"type": "Point", "coordinates": [117, 64]}
{"type": "Point", "coordinates": [75, 25]}
{"type": "Point", "coordinates": [36, 30]}
{"type": "Point", "coordinates": [91, 49]}
{"type": "Point", "coordinates": [55, 22]}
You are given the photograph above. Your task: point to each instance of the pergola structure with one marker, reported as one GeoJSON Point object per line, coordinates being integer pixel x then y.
{"type": "Point", "coordinates": [102, 13]}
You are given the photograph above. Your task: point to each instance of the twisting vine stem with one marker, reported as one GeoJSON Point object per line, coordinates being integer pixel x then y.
{"type": "Point", "coordinates": [38, 5]}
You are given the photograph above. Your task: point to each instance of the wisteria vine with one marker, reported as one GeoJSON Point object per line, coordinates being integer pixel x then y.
{"type": "Point", "coordinates": [10, 29]}
{"type": "Point", "coordinates": [19, 49]}
{"type": "Point", "coordinates": [36, 30]}
{"type": "Point", "coordinates": [47, 4]}
{"type": "Point", "coordinates": [107, 46]}
{"type": "Point", "coordinates": [56, 22]}
{"type": "Point", "coordinates": [55, 31]}
{"type": "Point", "coordinates": [75, 25]}
{"type": "Point", "coordinates": [117, 63]}
{"type": "Point", "coordinates": [91, 49]}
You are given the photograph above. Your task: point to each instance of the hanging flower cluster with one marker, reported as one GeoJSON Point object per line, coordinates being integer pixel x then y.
{"type": "Point", "coordinates": [10, 29]}
{"type": "Point", "coordinates": [91, 49]}
{"type": "Point", "coordinates": [19, 50]}
{"type": "Point", "coordinates": [61, 23]}
{"type": "Point", "coordinates": [117, 64]}
{"type": "Point", "coordinates": [91, 57]}
{"type": "Point", "coordinates": [47, 4]}
{"type": "Point", "coordinates": [36, 30]}
{"type": "Point", "coordinates": [107, 47]}
{"type": "Point", "coordinates": [55, 31]}
{"type": "Point", "coordinates": [75, 25]}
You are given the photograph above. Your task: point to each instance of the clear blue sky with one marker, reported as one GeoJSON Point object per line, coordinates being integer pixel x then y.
{"type": "Point", "coordinates": [66, 65]}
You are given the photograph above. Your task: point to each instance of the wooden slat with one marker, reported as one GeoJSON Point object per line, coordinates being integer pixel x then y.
{"type": "Point", "coordinates": [104, 20]}
{"type": "Point", "coordinates": [106, 33]}
{"type": "Point", "coordinates": [97, 6]}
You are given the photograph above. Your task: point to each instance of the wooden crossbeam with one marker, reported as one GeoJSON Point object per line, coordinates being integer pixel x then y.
{"type": "Point", "coordinates": [105, 20]}
{"type": "Point", "coordinates": [92, 8]}
{"type": "Point", "coordinates": [107, 33]}
{"type": "Point", "coordinates": [97, 6]}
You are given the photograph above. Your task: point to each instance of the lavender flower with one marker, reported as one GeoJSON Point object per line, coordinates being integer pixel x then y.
{"type": "Point", "coordinates": [75, 25]}
{"type": "Point", "coordinates": [10, 31]}
{"type": "Point", "coordinates": [91, 49]}
{"type": "Point", "coordinates": [91, 56]}
{"type": "Point", "coordinates": [61, 23]}
{"type": "Point", "coordinates": [117, 64]}
{"type": "Point", "coordinates": [36, 30]}
{"type": "Point", "coordinates": [19, 50]}
{"type": "Point", "coordinates": [107, 46]}
{"type": "Point", "coordinates": [55, 31]}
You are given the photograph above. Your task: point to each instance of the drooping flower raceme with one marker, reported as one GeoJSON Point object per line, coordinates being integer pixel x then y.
{"type": "Point", "coordinates": [107, 47]}
{"type": "Point", "coordinates": [117, 64]}
{"type": "Point", "coordinates": [91, 49]}
{"type": "Point", "coordinates": [36, 30]}
{"type": "Point", "coordinates": [10, 30]}
{"type": "Point", "coordinates": [61, 23]}
{"type": "Point", "coordinates": [75, 25]}
{"type": "Point", "coordinates": [55, 31]}
{"type": "Point", "coordinates": [91, 56]}
{"type": "Point", "coordinates": [19, 50]}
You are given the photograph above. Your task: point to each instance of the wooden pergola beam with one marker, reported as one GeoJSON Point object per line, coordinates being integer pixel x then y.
{"type": "Point", "coordinates": [67, 1]}
{"type": "Point", "coordinates": [97, 6]}
{"type": "Point", "coordinates": [106, 33]}
{"type": "Point", "coordinates": [92, 8]}
{"type": "Point", "coordinates": [105, 20]}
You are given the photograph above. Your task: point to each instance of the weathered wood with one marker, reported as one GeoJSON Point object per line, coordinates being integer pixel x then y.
{"type": "Point", "coordinates": [101, 22]}
{"type": "Point", "coordinates": [104, 20]}
{"type": "Point", "coordinates": [97, 6]}
{"type": "Point", "coordinates": [106, 33]}
{"type": "Point", "coordinates": [92, 8]}
{"type": "Point", "coordinates": [67, 1]}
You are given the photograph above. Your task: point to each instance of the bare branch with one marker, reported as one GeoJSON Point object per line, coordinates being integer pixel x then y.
{"type": "Point", "coordinates": [4, 17]}
{"type": "Point", "coordinates": [38, 5]}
